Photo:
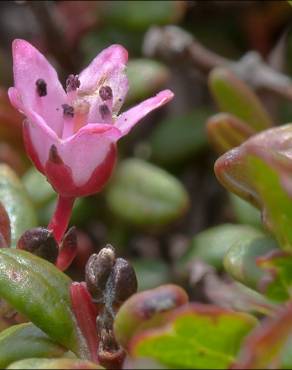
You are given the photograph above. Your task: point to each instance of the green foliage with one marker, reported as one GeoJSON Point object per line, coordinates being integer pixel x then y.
{"type": "Point", "coordinates": [212, 244]}
{"type": "Point", "coordinates": [240, 260]}
{"type": "Point", "coordinates": [16, 201]}
{"type": "Point", "coordinates": [37, 289]}
{"type": "Point", "coordinates": [196, 337]}
{"type": "Point", "coordinates": [244, 212]}
{"type": "Point", "coordinates": [233, 96]}
{"type": "Point", "coordinates": [143, 194]}
{"type": "Point", "coordinates": [24, 341]}
{"type": "Point", "coordinates": [177, 139]}
{"type": "Point", "coordinates": [62, 363]}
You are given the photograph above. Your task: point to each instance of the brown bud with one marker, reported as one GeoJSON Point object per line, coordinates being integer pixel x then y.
{"type": "Point", "coordinates": [110, 354]}
{"type": "Point", "coordinates": [97, 271]}
{"type": "Point", "coordinates": [124, 281]}
{"type": "Point", "coordinates": [41, 242]}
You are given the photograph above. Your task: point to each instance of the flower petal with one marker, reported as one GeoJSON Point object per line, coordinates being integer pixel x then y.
{"type": "Point", "coordinates": [29, 65]}
{"type": "Point", "coordinates": [129, 118]}
{"type": "Point", "coordinates": [87, 149]}
{"type": "Point", "coordinates": [106, 69]}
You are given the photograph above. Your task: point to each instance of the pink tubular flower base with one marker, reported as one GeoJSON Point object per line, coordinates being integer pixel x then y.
{"type": "Point", "coordinates": [71, 135]}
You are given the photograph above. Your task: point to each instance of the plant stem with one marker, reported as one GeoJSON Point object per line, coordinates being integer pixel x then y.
{"type": "Point", "coordinates": [61, 217]}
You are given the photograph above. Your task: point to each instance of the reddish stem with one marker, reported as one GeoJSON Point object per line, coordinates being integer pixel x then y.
{"type": "Point", "coordinates": [85, 312]}
{"type": "Point", "coordinates": [61, 217]}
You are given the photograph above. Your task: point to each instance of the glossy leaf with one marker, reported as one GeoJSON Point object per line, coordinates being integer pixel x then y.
{"type": "Point", "coordinates": [16, 201]}
{"type": "Point", "coordinates": [244, 212]}
{"type": "Point", "coordinates": [233, 96]}
{"type": "Point", "coordinates": [143, 194]}
{"type": "Point", "coordinates": [196, 337]}
{"type": "Point", "coordinates": [268, 346]}
{"type": "Point", "coordinates": [260, 172]}
{"type": "Point", "coordinates": [240, 260]}
{"type": "Point", "coordinates": [40, 291]}
{"type": "Point", "coordinates": [212, 244]}
{"type": "Point", "coordinates": [177, 139]}
{"type": "Point", "coordinates": [24, 341]}
{"type": "Point", "coordinates": [147, 309]}
{"type": "Point", "coordinates": [60, 363]}
{"type": "Point", "coordinates": [146, 77]}
{"type": "Point", "coordinates": [226, 131]}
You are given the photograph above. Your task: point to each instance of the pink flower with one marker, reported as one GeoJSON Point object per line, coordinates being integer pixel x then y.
{"type": "Point", "coordinates": [71, 136]}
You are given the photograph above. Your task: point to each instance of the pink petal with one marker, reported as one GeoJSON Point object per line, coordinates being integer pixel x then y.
{"type": "Point", "coordinates": [129, 118]}
{"type": "Point", "coordinates": [87, 149]}
{"type": "Point", "coordinates": [106, 69]}
{"type": "Point", "coordinates": [29, 65]}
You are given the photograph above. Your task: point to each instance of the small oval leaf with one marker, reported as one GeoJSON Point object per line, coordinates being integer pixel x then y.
{"type": "Point", "coordinates": [233, 96]}
{"type": "Point", "coordinates": [59, 363]}
{"type": "Point", "coordinates": [143, 194]}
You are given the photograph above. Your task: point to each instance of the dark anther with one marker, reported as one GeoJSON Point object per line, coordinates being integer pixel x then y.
{"type": "Point", "coordinates": [41, 87]}
{"type": "Point", "coordinates": [106, 93]}
{"type": "Point", "coordinates": [104, 111]}
{"type": "Point", "coordinates": [72, 83]}
{"type": "Point", "coordinates": [68, 110]}
{"type": "Point", "coordinates": [54, 155]}
{"type": "Point", "coordinates": [41, 242]}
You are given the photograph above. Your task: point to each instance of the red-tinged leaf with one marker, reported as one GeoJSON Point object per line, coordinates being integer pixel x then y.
{"type": "Point", "coordinates": [147, 309]}
{"type": "Point", "coordinates": [226, 131]}
{"type": "Point", "coordinates": [196, 336]}
{"type": "Point", "coordinates": [5, 231]}
{"type": "Point", "coordinates": [277, 280]}
{"type": "Point", "coordinates": [263, 348]}
{"type": "Point", "coordinates": [260, 172]}
{"type": "Point", "coordinates": [233, 96]}
{"type": "Point", "coordinates": [85, 312]}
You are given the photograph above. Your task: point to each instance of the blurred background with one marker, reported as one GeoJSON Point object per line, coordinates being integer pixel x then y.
{"type": "Point", "coordinates": [164, 194]}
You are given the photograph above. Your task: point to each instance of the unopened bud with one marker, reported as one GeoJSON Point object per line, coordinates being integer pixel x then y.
{"type": "Point", "coordinates": [41, 242]}
{"type": "Point", "coordinates": [97, 271]}
{"type": "Point", "coordinates": [124, 281]}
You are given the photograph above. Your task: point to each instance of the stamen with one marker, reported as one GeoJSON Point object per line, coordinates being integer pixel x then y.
{"type": "Point", "coordinates": [106, 93]}
{"type": "Point", "coordinates": [72, 83]}
{"type": "Point", "coordinates": [41, 87]}
{"type": "Point", "coordinates": [104, 111]}
{"type": "Point", "coordinates": [68, 110]}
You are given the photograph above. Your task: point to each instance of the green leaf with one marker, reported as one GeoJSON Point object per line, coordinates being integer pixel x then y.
{"type": "Point", "coordinates": [146, 77]}
{"type": "Point", "coordinates": [196, 337]}
{"type": "Point", "coordinates": [16, 201]}
{"type": "Point", "coordinates": [37, 289]}
{"type": "Point", "coordinates": [259, 171]}
{"type": "Point", "coordinates": [25, 341]}
{"type": "Point", "coordinates": [38, 188]}
{"type": "Point", "coordinates": [212, 244]}
{"type": "Point", "coordinates": [177, 139]}
{"type": "Point", "coordinates": [139, 15]}
{"type": "Point", "coordinates": [60, 363]}
{"type": "Point", "coordinates": [147, 309]}
{"type": "Point", "coordinates": [244, 212]}
{"type": "Point", "coordinates": [151, 273]}
{"type": "Point", "coordinates": [233, 96]}
{"type": "Point", "coordinates": [269, 345]}
{"type": "Point", "coordinates": [240, 260]}
{"type": "Point", "coordinates": [226, 131]}
{"type": "Point", "coordinates": [143, 194]}
{"type": "Point", "coordinates": [277, 282]}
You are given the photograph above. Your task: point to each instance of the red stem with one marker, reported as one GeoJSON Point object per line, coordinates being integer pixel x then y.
{"type": "Point", "coordinates": [61, 217]}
